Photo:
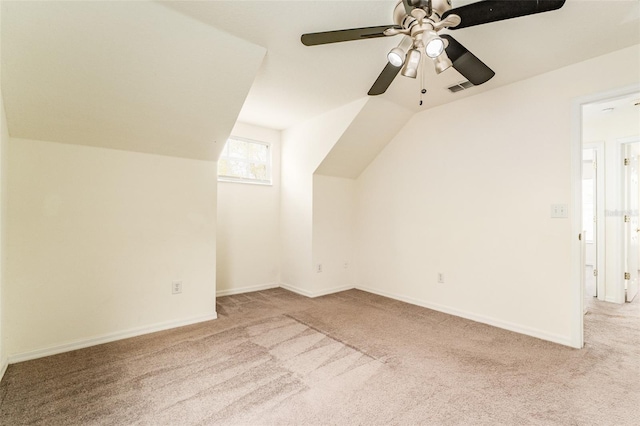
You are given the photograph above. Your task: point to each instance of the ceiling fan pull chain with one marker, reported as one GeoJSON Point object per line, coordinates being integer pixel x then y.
{"type": "Point", "coordinates": [422, 88]}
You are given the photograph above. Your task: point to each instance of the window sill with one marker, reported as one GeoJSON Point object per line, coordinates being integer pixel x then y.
{"type": "Point", "coordinates": [247, 182]}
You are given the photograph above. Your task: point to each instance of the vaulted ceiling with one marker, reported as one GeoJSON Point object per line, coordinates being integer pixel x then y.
{"type": "Point", "coordinates": [125, 75]}
{"type": "Point", "coordinates": [172, 77]}
{"type": "Point", "coordinates": [296, 82]}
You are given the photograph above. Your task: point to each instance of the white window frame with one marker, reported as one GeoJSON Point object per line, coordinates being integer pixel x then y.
{"type": "Point", "coordinates": [235, 179]}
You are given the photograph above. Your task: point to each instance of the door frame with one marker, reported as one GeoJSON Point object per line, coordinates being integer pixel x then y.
{"type": "Point", "coordinates": [601, 219]}
{"type": "Point", "coordinates": [577, 269]}
{"type": "Point", "coordinates": [621, 143]}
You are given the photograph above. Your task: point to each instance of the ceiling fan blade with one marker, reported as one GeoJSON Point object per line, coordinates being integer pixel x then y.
{"type": "Point", "coordinates": [313, 39]}
{"type": "Point", "coordinates": [384, 80]}
{"type": "Point", "coordinates": [466, 63]}
{"type": "Point", "coordinates": [486, 11]}
{"type": "Point", "coordinates": [407, 7]}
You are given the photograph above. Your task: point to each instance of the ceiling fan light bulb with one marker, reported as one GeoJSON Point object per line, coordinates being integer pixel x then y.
{"type": "Point", "coordinates": [434, 47]}
{"type": "Point", "coordinates": [396, 57]}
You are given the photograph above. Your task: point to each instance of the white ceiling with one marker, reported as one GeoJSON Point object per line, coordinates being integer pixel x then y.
{"type": "Point", "coordinates": [296, 82]}
{"type": "Point", "coordinates": [623, 105]}
{"type": "Point", "coordinates": [124, 75]}
{"type": "Point", "coordinates": [364, 138]}
{"type": "Point", "coordinates": [171, 77]}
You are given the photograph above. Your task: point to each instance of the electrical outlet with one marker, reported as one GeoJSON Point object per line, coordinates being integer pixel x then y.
{"type": "Point", "coordinates": [176, 287]}
{"type": "Point", "coordinates": [319, 267]}
{"type": "Point", "coordinates": [440, 277]}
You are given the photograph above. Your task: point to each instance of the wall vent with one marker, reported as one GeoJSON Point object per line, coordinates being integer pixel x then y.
{"type": "Point", "coordinates": [460, 86]}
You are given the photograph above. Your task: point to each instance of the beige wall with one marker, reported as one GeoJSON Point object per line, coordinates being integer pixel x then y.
{"type": "Point", "coordinates": [95, 239]}
{"type": "Point", "coordinates": [248, 237]}
{"type": "Point", "coordinates": [472, 201]}
{"type": "Point", "coordinates": [333, 223]}
{"type": "Point", "coordinates": [96, 236]}
{"type": "Point", "coordinates": [4, 141]}
{"type": "Point", "coordinates": [303, 149]}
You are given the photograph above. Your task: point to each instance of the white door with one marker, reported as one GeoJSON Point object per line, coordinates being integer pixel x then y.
{"type": "Point", "coordinates": [582, 262]}
{"type": "Point", "coordinates": [631, 220]}
{"type": "Point", "coordinates": [589, 214]}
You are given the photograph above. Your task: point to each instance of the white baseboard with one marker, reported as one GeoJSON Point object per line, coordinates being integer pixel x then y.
{"type": "Point", "coordinates": [106, 338]}
{"type": "Point", "coordinates": [613, 300]}
{"type": "Point", "coordinates": [333, 290]}
{"type": "Point", "coordinates": [312, 294]}
{"type": "Point", "coordinates": [80, 344]}
{"type": "Point", "coordinates": [3, 369]}
{"type": "Point", "coordinates": [247, 289]}
{"type": "Point", "coordinates": [296, 290]}
{"type": "Point", "coordinates": [562, 340]}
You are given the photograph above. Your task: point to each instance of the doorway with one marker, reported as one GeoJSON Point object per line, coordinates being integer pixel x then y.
{"type": "Point", "coordinates": [593, 218]}
{"type": "Point", "coordinates": [610, 193]}
{"type": "Point", "coordinates": [630, 150]}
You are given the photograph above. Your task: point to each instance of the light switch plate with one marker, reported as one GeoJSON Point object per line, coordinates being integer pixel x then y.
{"type": "Point", "coordinates": [559, 211]}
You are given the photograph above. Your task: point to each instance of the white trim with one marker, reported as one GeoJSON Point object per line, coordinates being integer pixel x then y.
{"type": "Point", "coordinates": [222, 179]}
{"type": "Point", "coordinates": [601, 241]}
{"type": "Point", "coordinates": [533, 332]}
{"type": "Point", "coordinates": [611, 299]}
{"type": "Point", "coordinates": [106, 338]}
{"type": "Point", "coordinates": [296, 290]}
{"type": "Point", "coordinates": [311, 294]}
{"type": "Point", "coordinates": [3, 369]}
{"type": "Point", "coordinates": [239, 179]}
{"type": "Point", "coordinates": [247, 289]}
{"type": "Point", "coordinates": [333, 290]}
{"type": "Point", "coordinates": [616, 288]}
{"type": "Point", "coordinates": [621, 255]}
{"type": "Point", "coordinates": [577, 290]}
{"type": "Point", "coordinates": [577, 268]}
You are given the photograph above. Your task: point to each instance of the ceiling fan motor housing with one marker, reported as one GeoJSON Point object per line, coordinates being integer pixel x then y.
{"type": "Point", "coordinates": [437, 7]}
{"type": "Point", "coordinates": [409, 21]}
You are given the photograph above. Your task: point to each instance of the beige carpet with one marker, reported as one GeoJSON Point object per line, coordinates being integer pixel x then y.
{"type": "Point", "coordinates": [276, 358]}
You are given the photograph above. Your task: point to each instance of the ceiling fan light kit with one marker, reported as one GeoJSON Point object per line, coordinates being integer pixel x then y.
{"type": "Point", "coordinates": [434, 46]}
{"type": "Point", "coordinates": [443, 63]}
{"type": "Point", "coordinates": [396, 57]}
{"type": "Point", "coordinates": [412, 63]}
{"type": "Point", "coordinates": [420, 21]}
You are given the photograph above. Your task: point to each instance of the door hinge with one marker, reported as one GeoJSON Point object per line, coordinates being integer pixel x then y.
{"type": "Point", "coordinates": [627, 276]}
{"type": "Point", "coordinates": [626, 161]}
{"type": "Point", "coordinates": [595, 164]}
{"type": "Point", "coordinates": [627, 218]}
{"type": "Point", "coordinates": [595, 272]}
{"type": "Point", "coordinates": [580, 237]}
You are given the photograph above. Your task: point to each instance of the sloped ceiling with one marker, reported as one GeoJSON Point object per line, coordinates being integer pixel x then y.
{"type": "Point", "coordinates": [172, 77]}
{"type": "Point", "coordinates": [298, 82]}
{"type": "Point", "coordinates": [376, 124]}
{"type": "Point", "coordinates": [125, 75]}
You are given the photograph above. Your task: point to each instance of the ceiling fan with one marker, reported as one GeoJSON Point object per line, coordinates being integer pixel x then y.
{"type": "Point", "coordinates": [419, 21]}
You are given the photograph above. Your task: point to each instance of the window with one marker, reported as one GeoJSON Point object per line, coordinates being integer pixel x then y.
{"type": "Point", "coordinates": [244, 160]}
